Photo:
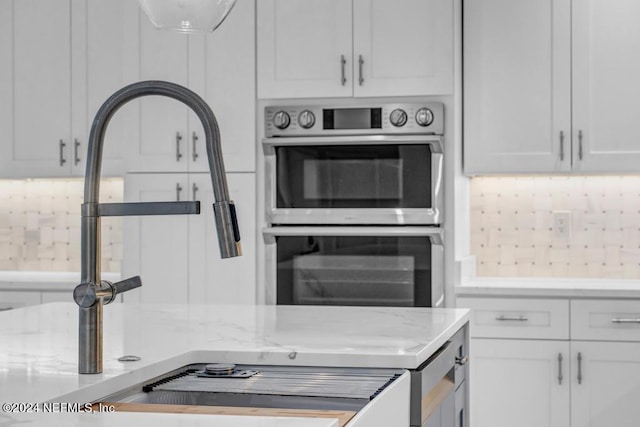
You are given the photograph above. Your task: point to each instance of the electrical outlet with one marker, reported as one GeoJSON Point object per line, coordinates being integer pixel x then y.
{"type": "Point", "coordinates": [562, 224]}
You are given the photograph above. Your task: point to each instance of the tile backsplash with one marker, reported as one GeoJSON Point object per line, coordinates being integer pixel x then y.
{"type": "Point", "coordinates": [40, 224]}
{"type": "Point", "coordinates": [515, 230]}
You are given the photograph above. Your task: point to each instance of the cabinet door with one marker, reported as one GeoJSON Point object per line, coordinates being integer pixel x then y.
{"type": "Point", "coordinates": [213, 280]}
{"type": "Point", "coordinates": [606, 88]}
{"type": "Point", "coordinates": [36, 108]}
{"type": "Point", "coordinates": [159, 139]}
{"type": "Point", "coordinates": [516, 383]}
{"type": "Point", "coordinates": [517, 86]}
{"type": "Point", "coordinates": [222, 70]}
{"type": "Point", "coordinates": [403, 47]}
{"type": "Point", "coordinates": [98, 71]}
{"type": "Point", "coordinates": [609, 390]}
{"type": "Point", "coordinates": [156, 247]}
{"type": "Point", "coordinates": [301, 44]}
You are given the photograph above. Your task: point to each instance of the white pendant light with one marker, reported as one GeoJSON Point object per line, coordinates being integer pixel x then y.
{"type": "Point", "coordinates": [187, 15]}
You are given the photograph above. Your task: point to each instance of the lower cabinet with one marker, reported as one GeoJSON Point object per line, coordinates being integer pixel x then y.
{"type": "Point", "coordinates": [178, 257]}
{"type": "Point", "coordinates": [581, 370]}
{"type": "Point", "coordinates": [605, 384]}
{"type": "Point", "coordinates": [520, 383]}
{"type": "Point", "coordinates": [17, 299]}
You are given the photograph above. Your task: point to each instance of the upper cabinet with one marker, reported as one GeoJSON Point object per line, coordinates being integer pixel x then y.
{"type": "Point", "coordinates": [517, 87]}
{"type": "Point", "coordinates": [606, 88]}
{"type": "Point", "coordinates": [165, 135]}
{"type": "Point", "coordinates": [338, 48]}
{"type": "Point", "coordinates": [550, 86]}
{"type": "Point", "coordinates": [59, 60]}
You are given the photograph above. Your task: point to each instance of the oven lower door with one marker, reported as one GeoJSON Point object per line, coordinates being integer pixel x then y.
{"type": "Point", "coordinates": [359, 265]}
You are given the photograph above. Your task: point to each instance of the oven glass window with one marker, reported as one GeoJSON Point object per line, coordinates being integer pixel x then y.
{"type": "Point", "coordinates": [355, 176]}
{"type": "Point", "coordinates": [354, 270]}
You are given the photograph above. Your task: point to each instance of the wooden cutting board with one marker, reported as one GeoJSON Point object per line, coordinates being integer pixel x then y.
{"type": "Point", "coordinates": [342, 416]}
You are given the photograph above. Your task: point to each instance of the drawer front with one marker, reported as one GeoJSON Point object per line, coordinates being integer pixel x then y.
{"type": "Point", "coordinates": [605, 320]}
{"type": "Point", "coordinates": [518, 317]}
{"type": "Point", "coordinates": [16, 299]}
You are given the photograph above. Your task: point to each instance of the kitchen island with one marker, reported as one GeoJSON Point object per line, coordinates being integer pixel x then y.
{"type": "Point", "coordinates": [38, 360]}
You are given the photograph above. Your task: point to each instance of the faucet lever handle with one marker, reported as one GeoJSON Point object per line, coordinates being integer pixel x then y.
{"type": "Point", "coordinates": [126, 285]}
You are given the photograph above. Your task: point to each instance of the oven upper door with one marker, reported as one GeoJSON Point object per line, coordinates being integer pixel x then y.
{"type": "Point", "coordinates": [354, 180]}
{"type": "Point", "coordinates": [374, 266]}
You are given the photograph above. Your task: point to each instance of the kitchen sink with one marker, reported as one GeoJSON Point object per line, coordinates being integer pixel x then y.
{"type": "Point", "coordinates": [249, 386]}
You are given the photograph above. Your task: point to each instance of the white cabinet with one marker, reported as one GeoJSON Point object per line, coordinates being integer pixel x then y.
{"type": "Point", "coordinates": [605, 363]}
{"type": "Point", "coordinates": [517, 105]}
{"type": "Point", "coordinates": [166, 136]}
{"type": "Point", "coordinates": [550, 86]}
{"type": "Point", "coordinates": [10, 300]}
{"type": "Point", "coordinates": [517, 382]}
{"type": "Point", "coordinates": [606, 65]}
{"type": "Point", "coordinates": [304, 48]}
{"type": "Point", "coordinates": [519, 362]}
{"type": "Point", "coordinates": [337, 48]}
{"type": "Point", "coordinates": [60, 59]}
{"type": "Point", "coordinates": [156, 247]}
{"type": "Point", "coordinates": [608, 391]}
{"type": "Point", "coordinates": [211, 279]}
{"type": "Point", "coordinates": [584, 368]}
{"type": "Point", "coordinates": [178, 257]}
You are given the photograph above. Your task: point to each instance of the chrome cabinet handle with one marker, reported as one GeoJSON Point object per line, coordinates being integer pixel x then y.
{"type": "Point", "coordinates": [343, 63]}
{"type": "Point", "coordinates": [194, 139]}
{"type": "Point", "coordinates": [360, 64]}
{"type": "Point", "coordinates": [560, 368]}
{"type": "Point", "coordinates": [178, 191]}
{"type": "Point", "coordinates": [194, 189]}
{"type": "Point", "coordinates": [579, 368]}
{"type": "Point", "coordinates": [561, 146]}
{"type": "Point", "coordinates": [580, 144]}
{"type": "Point", "coordinates": [625, 320]}
{"type": "Point", "coordinates": [62, 159]}
{"type": "Point", "coordinates": [178, 153]}
{"type": "Point", "coordinates": [76, 145]}
{"type": "Point", "coordinates": [512, 318]}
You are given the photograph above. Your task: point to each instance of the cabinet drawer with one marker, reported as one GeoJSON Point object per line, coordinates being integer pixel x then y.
{"type": "Point", "coordinates": [606, 320]}
{"type": "Point", "coordinates": [517, 318]}
{"type": "Point", "coordinates": [16, 299]}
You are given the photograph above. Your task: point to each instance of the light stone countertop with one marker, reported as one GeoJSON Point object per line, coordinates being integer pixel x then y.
{"type": "Point", "coordinates": [550, 287]}
{"type": "Point", "coordinates": [126, 419]}
{"type": "Point", "coordinates": [38, 361]}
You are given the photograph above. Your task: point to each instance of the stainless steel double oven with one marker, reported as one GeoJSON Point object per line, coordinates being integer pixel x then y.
{"type": "Point", "coordinates": [354, 204]}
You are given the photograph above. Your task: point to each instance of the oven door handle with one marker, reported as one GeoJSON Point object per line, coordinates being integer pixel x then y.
{"type": "Point", "coordinates": [435, 141]}
{"type": "Point", "coordinates": [435, 234]}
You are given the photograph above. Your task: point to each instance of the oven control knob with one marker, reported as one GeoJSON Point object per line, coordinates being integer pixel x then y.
{"type": "Point", "coordinates": [306, 119]}
{"type": "Point", "coordinates": [398, 117]}
{"type": "Point", "coordinates": [281, 120]}
{"type": "Point", "coordinates": [424, 117]}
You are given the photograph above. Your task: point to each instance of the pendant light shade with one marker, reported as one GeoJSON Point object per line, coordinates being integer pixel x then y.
{"type": "Point", "coordinates": [187, 15]}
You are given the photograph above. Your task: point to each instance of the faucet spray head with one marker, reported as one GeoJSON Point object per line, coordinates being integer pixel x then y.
{"type": "Point", "coordinates": [228, 230]}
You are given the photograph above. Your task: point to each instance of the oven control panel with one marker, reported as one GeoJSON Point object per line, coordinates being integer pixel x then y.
{"type": "Point", "coordinates": [317, 120]}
